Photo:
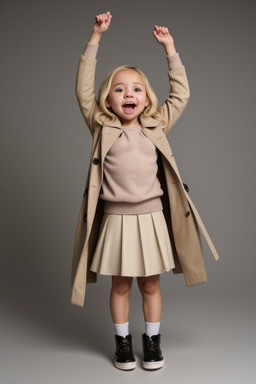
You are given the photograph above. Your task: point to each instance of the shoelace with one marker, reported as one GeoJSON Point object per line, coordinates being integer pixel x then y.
{"type": "Point", "coordinates": [125, 346]}
{"type": "Point", "coordinates": [150, 346]}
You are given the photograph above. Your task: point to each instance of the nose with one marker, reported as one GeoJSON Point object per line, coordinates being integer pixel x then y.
{"type": "Point", "coordinates": [128, 94]}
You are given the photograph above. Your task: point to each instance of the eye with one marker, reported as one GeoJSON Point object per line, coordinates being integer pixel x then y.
{"type": "Point", "coordinates": [137, 90]}
{"type": "Point", "coordinates": [118, 90]}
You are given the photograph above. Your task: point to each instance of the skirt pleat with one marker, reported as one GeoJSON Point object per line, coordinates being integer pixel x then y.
{"type": "Point", "coordinates": [133, 245]}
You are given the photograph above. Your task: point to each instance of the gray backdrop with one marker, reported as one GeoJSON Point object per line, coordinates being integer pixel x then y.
{"type": "Point", "coordinates": [208, 330]}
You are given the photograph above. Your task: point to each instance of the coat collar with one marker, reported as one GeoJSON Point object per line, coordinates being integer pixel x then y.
{"type": "Point", "coordinates": [148, 122]}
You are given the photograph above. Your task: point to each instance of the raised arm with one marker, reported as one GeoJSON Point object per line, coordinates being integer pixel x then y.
{"type": "Point", "coordinates": [86, 70]}
{"type": "Point", "coordinates": [179, 87]}
{"type": "Point", "coordinates": [102, 23]}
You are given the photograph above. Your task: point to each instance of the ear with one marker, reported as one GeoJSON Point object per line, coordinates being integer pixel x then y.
{"type": "Point", "coordinates": [107, 102]}
{"type": "Point", "coordinates": [147, 102]}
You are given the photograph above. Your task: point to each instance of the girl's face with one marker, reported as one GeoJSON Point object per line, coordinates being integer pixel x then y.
{"type": "Point", "coordinates": [127, 97]}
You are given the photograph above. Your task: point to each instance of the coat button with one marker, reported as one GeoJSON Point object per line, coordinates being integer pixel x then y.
{"type": "Point", "coordinates": [186, 187]}
{"type": "Point", "coordinates": [96, 160]}
{"type": "Point", "coordinates": [187, 213]}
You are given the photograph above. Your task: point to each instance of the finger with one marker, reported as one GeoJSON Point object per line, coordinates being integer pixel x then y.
{"type": "Point", "coordinates": [155, 34]}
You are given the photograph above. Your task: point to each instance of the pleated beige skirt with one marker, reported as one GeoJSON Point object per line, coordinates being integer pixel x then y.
{"type": "Point", "coordinates": [133, 245]}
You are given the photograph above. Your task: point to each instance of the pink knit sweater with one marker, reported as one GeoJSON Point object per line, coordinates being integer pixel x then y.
{"type": "Point", "coordinates": [130, 184]}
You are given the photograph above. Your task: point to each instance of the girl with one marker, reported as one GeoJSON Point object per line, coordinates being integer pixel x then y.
{"type": "Point", "coordinates": [136, 219]}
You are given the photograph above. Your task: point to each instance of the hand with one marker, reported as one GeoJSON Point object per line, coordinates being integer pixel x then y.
{"type": "Point", "coordinates": [163, 37]}
{"type": "Point", "coordinates": [102, 23]}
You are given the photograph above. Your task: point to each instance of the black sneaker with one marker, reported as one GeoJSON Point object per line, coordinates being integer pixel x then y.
{"type": "Point", "coordinates": [153, 358]}
{"type": "Point", "coordinates": [124, 357]}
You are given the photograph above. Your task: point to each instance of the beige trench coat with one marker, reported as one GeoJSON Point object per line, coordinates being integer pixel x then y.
{"type": "Point", "coordinates": [182, 218]}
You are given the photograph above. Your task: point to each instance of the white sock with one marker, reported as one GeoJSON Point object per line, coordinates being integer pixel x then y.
{"type": "Point", "coordinates": [152, 328]}
{"type": "Point", "coordinates": [122, 329]}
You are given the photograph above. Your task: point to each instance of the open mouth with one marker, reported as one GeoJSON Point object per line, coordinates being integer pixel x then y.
{"type": "Point", "coordinates": [129, 107]}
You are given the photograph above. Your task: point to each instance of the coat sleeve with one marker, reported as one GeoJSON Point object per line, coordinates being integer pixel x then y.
{"type": "Point", "coordinates": [179, 92]}
{"type": "Point", "coordinates": [85, 82]}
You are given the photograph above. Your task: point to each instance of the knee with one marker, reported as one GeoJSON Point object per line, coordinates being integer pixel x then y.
{"type": "Point", "coordinates": [121, 286]}
{"type": "Point", "coordinates": [148, 285]}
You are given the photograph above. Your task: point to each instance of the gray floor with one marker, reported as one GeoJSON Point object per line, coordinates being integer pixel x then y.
{"type": "Point", "coordinates": [206, 338]}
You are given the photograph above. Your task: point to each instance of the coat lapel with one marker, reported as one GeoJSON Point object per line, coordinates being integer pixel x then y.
{"type": "Point", "coordinates": [109, 136]}
{"type": "Point", "coordinates": [155, 133]}
{"type": "Point", "coordinates": [158, 138]}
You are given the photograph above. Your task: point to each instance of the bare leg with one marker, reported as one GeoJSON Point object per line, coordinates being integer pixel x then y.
{"type": "Point", "coordinates": [151, 298]}
{"type": "Point", "coordinates": [119, 298]}
{"type": "Point", "coordinates": [152, 308]}
{"type": "Point", "coordinates": [119, 306]}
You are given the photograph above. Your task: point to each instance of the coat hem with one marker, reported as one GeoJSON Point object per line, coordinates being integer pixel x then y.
{"type": "Point", "coordinates": [77, 300]}
{"type": "Point", "coordinates": [196, 279]}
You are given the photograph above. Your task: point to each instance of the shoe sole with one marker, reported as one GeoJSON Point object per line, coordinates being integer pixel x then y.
{"type": "Point", "coordinates": [153, 365]}
{"type": "Point", "coordinates": [125, 366]}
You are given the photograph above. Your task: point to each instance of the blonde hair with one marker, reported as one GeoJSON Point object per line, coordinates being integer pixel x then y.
{"type": "Point", "coordinates": [151, 110]}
